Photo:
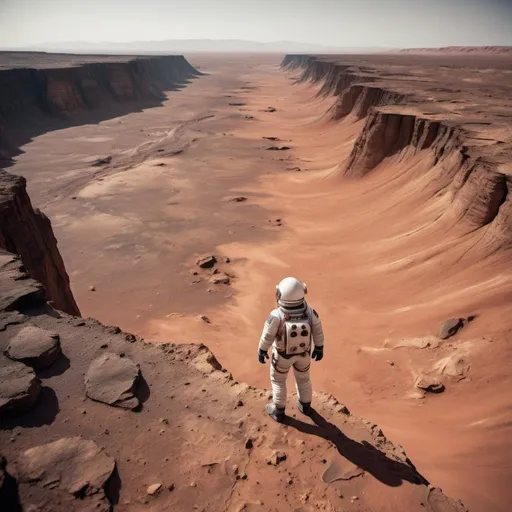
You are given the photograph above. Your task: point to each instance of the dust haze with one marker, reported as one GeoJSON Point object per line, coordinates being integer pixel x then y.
{"type": "Point", "coordinates": [322, 24]}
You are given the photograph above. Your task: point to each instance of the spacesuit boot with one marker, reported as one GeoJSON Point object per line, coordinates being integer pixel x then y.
{"type": "Point", "coordinates": [275, 412]}
{"type": "Point", "coordinates": [304, 408]}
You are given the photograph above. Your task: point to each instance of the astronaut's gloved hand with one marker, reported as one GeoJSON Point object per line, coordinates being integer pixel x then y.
{"type": "Point", "coordinates": [318, 353]}
{"type": "Point", "coordinates": [262, 355]}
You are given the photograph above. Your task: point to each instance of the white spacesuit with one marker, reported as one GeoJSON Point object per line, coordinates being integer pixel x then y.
{"type": "Point", "coordinates": [291, 329]}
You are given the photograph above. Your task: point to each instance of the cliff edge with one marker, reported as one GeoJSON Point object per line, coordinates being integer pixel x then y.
{"type": "Point", "coordinates": [28, 232]}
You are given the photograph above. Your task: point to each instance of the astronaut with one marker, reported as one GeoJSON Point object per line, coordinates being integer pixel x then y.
{"type": "Point", "coordinates": [292, 329]}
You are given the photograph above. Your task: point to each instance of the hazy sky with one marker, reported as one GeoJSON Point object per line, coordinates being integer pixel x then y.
{"type": "Point", "coordinates": [396, 23]}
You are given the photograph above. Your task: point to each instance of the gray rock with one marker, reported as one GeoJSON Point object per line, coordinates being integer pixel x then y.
{"type": "Point", "coordinates": [450, 328]}
{"type": "Point", "coordinates": [275, 458]}
{"type": "Point", "coordinates": [154, 489]}
{"type": "Point", "coordinates": [19, 387]}
{"type": "Point", "coordinates": [35, 347]}
{"type": "Point", "coordinates": [74, 465]}
{"type": "Point", "coordinates": [220, 278]}
{"type": "Point", "coordinates": [206, 261]}
{"type": "Point", "coordinates": [112, 379]}
{"type": "Point", "coordinates": [430, 384]}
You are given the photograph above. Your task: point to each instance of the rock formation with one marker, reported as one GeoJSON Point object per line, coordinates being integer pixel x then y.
{"type": "Point", "coordinates": [28, 232]}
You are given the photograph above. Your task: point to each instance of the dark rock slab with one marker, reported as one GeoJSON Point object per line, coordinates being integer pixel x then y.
{"type": "Point", "coordinates": [73, 465]}
{"type": "Point", "coordinates": [450, 328]}
{"type": "Point", "coordinates": [19, 387]}
{"type": "Point", "coordinates": [35, 347]}
{"type": "Point", "coordinates": [206, 261]}
{"type": "Point", "coordinates": [430, 384]}
{"type": "Point", "coordinates": [112, 379]}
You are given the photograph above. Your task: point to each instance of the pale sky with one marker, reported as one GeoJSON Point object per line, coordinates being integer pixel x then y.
{"type": "Point", "coordinates": [341, 23]}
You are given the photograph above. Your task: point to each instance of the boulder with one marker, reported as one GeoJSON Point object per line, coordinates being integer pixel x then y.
{"type": "Point", "coordinates": [74, 465]}
{"type": "Point", "coordinates": [19, 387]}
{"type": "Point", "coordinates": [206, 261]}
{"type": "Point", "coordinates": [35, 347]}
{"type": "Point", "coordinates": [430, 384]}
{"type": "Point", "coordinates": [450, 328]}
{"type": "Point", "coordinates": [112, 379]}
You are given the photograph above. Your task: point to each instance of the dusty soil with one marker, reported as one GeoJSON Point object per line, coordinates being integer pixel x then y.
{"type": "Point", "coordinates": [383, 267]}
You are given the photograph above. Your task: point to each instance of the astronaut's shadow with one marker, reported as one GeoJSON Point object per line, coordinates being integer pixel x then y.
{"type": "Point", "coordinates": [364, 455]}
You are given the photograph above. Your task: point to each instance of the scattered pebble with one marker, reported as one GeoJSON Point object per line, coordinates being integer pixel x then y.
{"type": "Point", "coordinates": [154, 489]}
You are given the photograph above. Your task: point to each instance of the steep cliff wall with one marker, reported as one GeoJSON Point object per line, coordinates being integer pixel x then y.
{"type": "Point", "coordinates": [29, 233]}
{"type": "Point", "coordinates": [26, 94]}
{"type": "Point", "coordinates": [476, 162]}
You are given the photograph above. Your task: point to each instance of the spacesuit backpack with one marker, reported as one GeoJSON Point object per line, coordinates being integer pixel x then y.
{"type": "Point", "coordinates": [297, 334]}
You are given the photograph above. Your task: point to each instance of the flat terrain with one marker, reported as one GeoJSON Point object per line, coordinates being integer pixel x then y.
{"type": "Point", "coordinates": [383, 264]}
{"type": "Point", "coordinates": [41, 60]}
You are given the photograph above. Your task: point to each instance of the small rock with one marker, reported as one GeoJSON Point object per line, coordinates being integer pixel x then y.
{"type": "Point", "coordinates": [270, 109]}
{"type": "Point", "coordinates": [450, 328]}
{"type": "Point", "coordinates": [92, 289]}
{"type": "Point", "coordinates": [154, 489]}
{"type": "Point", "coordinates": [171, 488]}
{"type": "Point", "coordinates": [102, 161]}
{"type": "Point", "coordinates": [220, 279]}
{"type": "Point", "coordinates": [354, 498]}
{"type": "Point", "coordinates": [240, 403]}
{"type": "Point", "coordinates": [278, 148]}
{"type": "Point", "coordinates": [391, 363]}
{"type": "Point", "coordinates": [430, 384]}
{"type": "Point", "coordinates": [193, 484]}
{"type": "Point", "coordinates": [276, 458]}
{"type": "Point", "coordinates": [206, 261]}
{"type": "Point", "coordinates": [249, 444]}
{"type": "Point", "coordinates": [131, 338]}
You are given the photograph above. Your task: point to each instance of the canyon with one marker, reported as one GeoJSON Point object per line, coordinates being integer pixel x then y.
{"type": "Point", "coordinates": [390, 201]}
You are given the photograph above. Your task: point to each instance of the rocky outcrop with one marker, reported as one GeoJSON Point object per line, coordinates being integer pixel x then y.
{"type": "Point", "coordinates": [387, 133]}
{"type": "Point", "coordinates": [62, 88]}
{"type": "Point", "coordinates": [29, 233]}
